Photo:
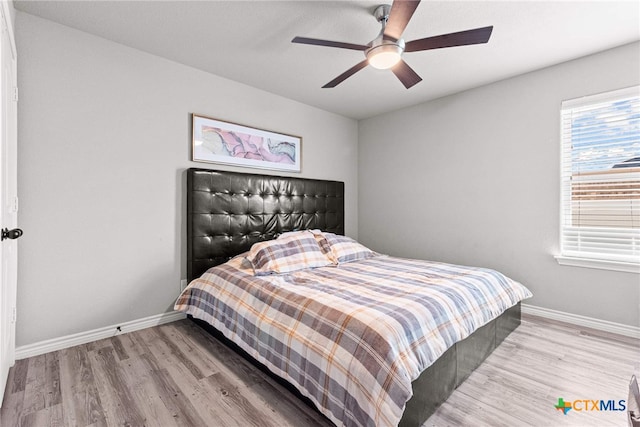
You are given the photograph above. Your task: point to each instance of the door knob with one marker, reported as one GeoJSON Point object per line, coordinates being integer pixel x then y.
{"type": "Point", "coordinates": [11, 234]}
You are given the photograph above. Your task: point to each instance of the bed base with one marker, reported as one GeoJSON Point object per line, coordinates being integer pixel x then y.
{"type": "Point", "coordinates": [437, 382]}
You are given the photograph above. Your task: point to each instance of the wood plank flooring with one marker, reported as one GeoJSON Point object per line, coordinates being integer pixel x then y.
{"type": "Point", "coordinates": [177, 375]}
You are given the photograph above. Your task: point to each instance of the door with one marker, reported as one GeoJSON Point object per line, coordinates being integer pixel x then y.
{"type": "Point", "coordinates": [8, 197]}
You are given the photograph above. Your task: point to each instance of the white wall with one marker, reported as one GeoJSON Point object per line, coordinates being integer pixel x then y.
{"type": "Point", "coordinates": [104, 137]}
{"type": "Point", "coordinates": [473, 179]}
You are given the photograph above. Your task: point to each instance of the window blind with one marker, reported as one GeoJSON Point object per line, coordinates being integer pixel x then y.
{"type": "Point", "coordinates": [600, 177]}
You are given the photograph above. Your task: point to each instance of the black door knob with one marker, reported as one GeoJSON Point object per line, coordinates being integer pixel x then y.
{"type": "Point", "coordinates": [11, 234]}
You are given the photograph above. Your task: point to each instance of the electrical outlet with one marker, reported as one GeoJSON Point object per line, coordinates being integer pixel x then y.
{"type": "Point", "coordinates": [183, 284]}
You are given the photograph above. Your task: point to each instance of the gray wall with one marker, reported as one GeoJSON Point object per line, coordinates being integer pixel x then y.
{"type": "Point", "coordinates": [473, 179]}
{"type": "Point", "coordinates": [104, 137]}
{"type": "Point", "coordinates": [104, 141]}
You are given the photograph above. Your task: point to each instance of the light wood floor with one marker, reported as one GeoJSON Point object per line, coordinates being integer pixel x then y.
{"type": "Point", "coordinates": [177, 375]}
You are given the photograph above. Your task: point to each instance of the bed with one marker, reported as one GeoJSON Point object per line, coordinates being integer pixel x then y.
{"type": "Point", "coordinates": [235, 217]}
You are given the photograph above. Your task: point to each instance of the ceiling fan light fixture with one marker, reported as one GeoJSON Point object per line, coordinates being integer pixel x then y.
{"type": "Point", "coordinates": [384, 56]}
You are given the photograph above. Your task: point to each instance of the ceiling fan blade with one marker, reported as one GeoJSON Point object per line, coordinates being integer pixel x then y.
{"type": "Point", "coordinates": [399, 16]}
{"type": "Point", "coordinates": [328, 43]}
{"type": "Point", "coordinates": [344, 76]}
{"type": "Point", "coordinates": [405, 74]}
{"type": "Point", "coordinates": [462, 38]}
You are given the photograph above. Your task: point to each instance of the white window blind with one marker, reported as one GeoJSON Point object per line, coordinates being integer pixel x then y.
{"type": "Point", "coordinates": [600, 177]}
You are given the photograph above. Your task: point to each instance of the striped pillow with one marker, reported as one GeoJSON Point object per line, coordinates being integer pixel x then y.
{"type": "Point", "coordinates": [289, 252]}
{"type": "Point", "coordinates": [342, 249]}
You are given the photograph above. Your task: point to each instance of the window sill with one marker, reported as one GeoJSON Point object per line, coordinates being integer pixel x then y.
{"type": "Point", "coordinates": [627, 267]}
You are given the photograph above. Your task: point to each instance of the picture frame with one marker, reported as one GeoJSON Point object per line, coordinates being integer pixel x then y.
{"type": "Point", "coordinates": [219, 141]}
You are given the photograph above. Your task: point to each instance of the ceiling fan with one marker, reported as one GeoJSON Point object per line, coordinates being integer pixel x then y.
{"type": "Point", "coordinates": [385, 51]}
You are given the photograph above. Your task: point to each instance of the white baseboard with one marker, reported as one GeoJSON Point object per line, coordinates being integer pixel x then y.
{"type": "Point", "coordinates": [588, 322]}
{"type": "Point", "coordinates": [56, 344]}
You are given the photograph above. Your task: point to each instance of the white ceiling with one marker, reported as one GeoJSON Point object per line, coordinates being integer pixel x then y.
{"type": "Point", "coordinates": [250, 42]}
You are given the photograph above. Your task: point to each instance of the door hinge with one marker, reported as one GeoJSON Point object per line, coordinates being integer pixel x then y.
{"type": "Point", "coordinates": [14, 315]}
{"type": "Point", "coordinates": [13, 205]}
{"type": "Point", "coordinates": [4, 22]}
{"type": "Point", "coordinates": [15, 94]}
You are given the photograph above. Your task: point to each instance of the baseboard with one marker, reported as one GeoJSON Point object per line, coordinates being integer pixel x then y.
{"type": "Point", "coordinates": [56, 344]}
{"type": "Point", "coordinates": [588, 322]}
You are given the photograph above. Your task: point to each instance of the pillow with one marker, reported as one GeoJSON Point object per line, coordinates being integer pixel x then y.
{"type": "Point", "coordinates": [289, 252]}
{"type": "Point", "coordinates": [342, 249]}
{"type": "Point", "coordinates": [298, 233]}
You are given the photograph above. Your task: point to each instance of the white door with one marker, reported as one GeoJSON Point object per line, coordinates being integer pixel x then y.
{"type": "Point", "coordinates": [8, 197]}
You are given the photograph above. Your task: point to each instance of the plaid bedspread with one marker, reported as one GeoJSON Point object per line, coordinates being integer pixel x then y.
{"type": "Point", "coordinates": [351, 338]}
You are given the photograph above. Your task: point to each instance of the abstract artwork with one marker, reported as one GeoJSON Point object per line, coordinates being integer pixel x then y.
{"type": "Point", "coordinates": [217, 141]}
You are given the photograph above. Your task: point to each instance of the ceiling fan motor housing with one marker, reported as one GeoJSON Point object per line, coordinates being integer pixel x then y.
{"type": "Point", "coordinates": [383, 52]}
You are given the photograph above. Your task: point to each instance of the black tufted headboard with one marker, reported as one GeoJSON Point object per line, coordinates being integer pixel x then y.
{"type": "Point", "coordinates": [227, 212]}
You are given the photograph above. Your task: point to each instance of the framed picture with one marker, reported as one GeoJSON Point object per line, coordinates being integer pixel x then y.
{"type": "Point", "coordinates": [217, 141]}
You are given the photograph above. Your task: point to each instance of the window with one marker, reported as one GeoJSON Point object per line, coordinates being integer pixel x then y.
{"type": "Point", "coordinates": [600, 181]}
